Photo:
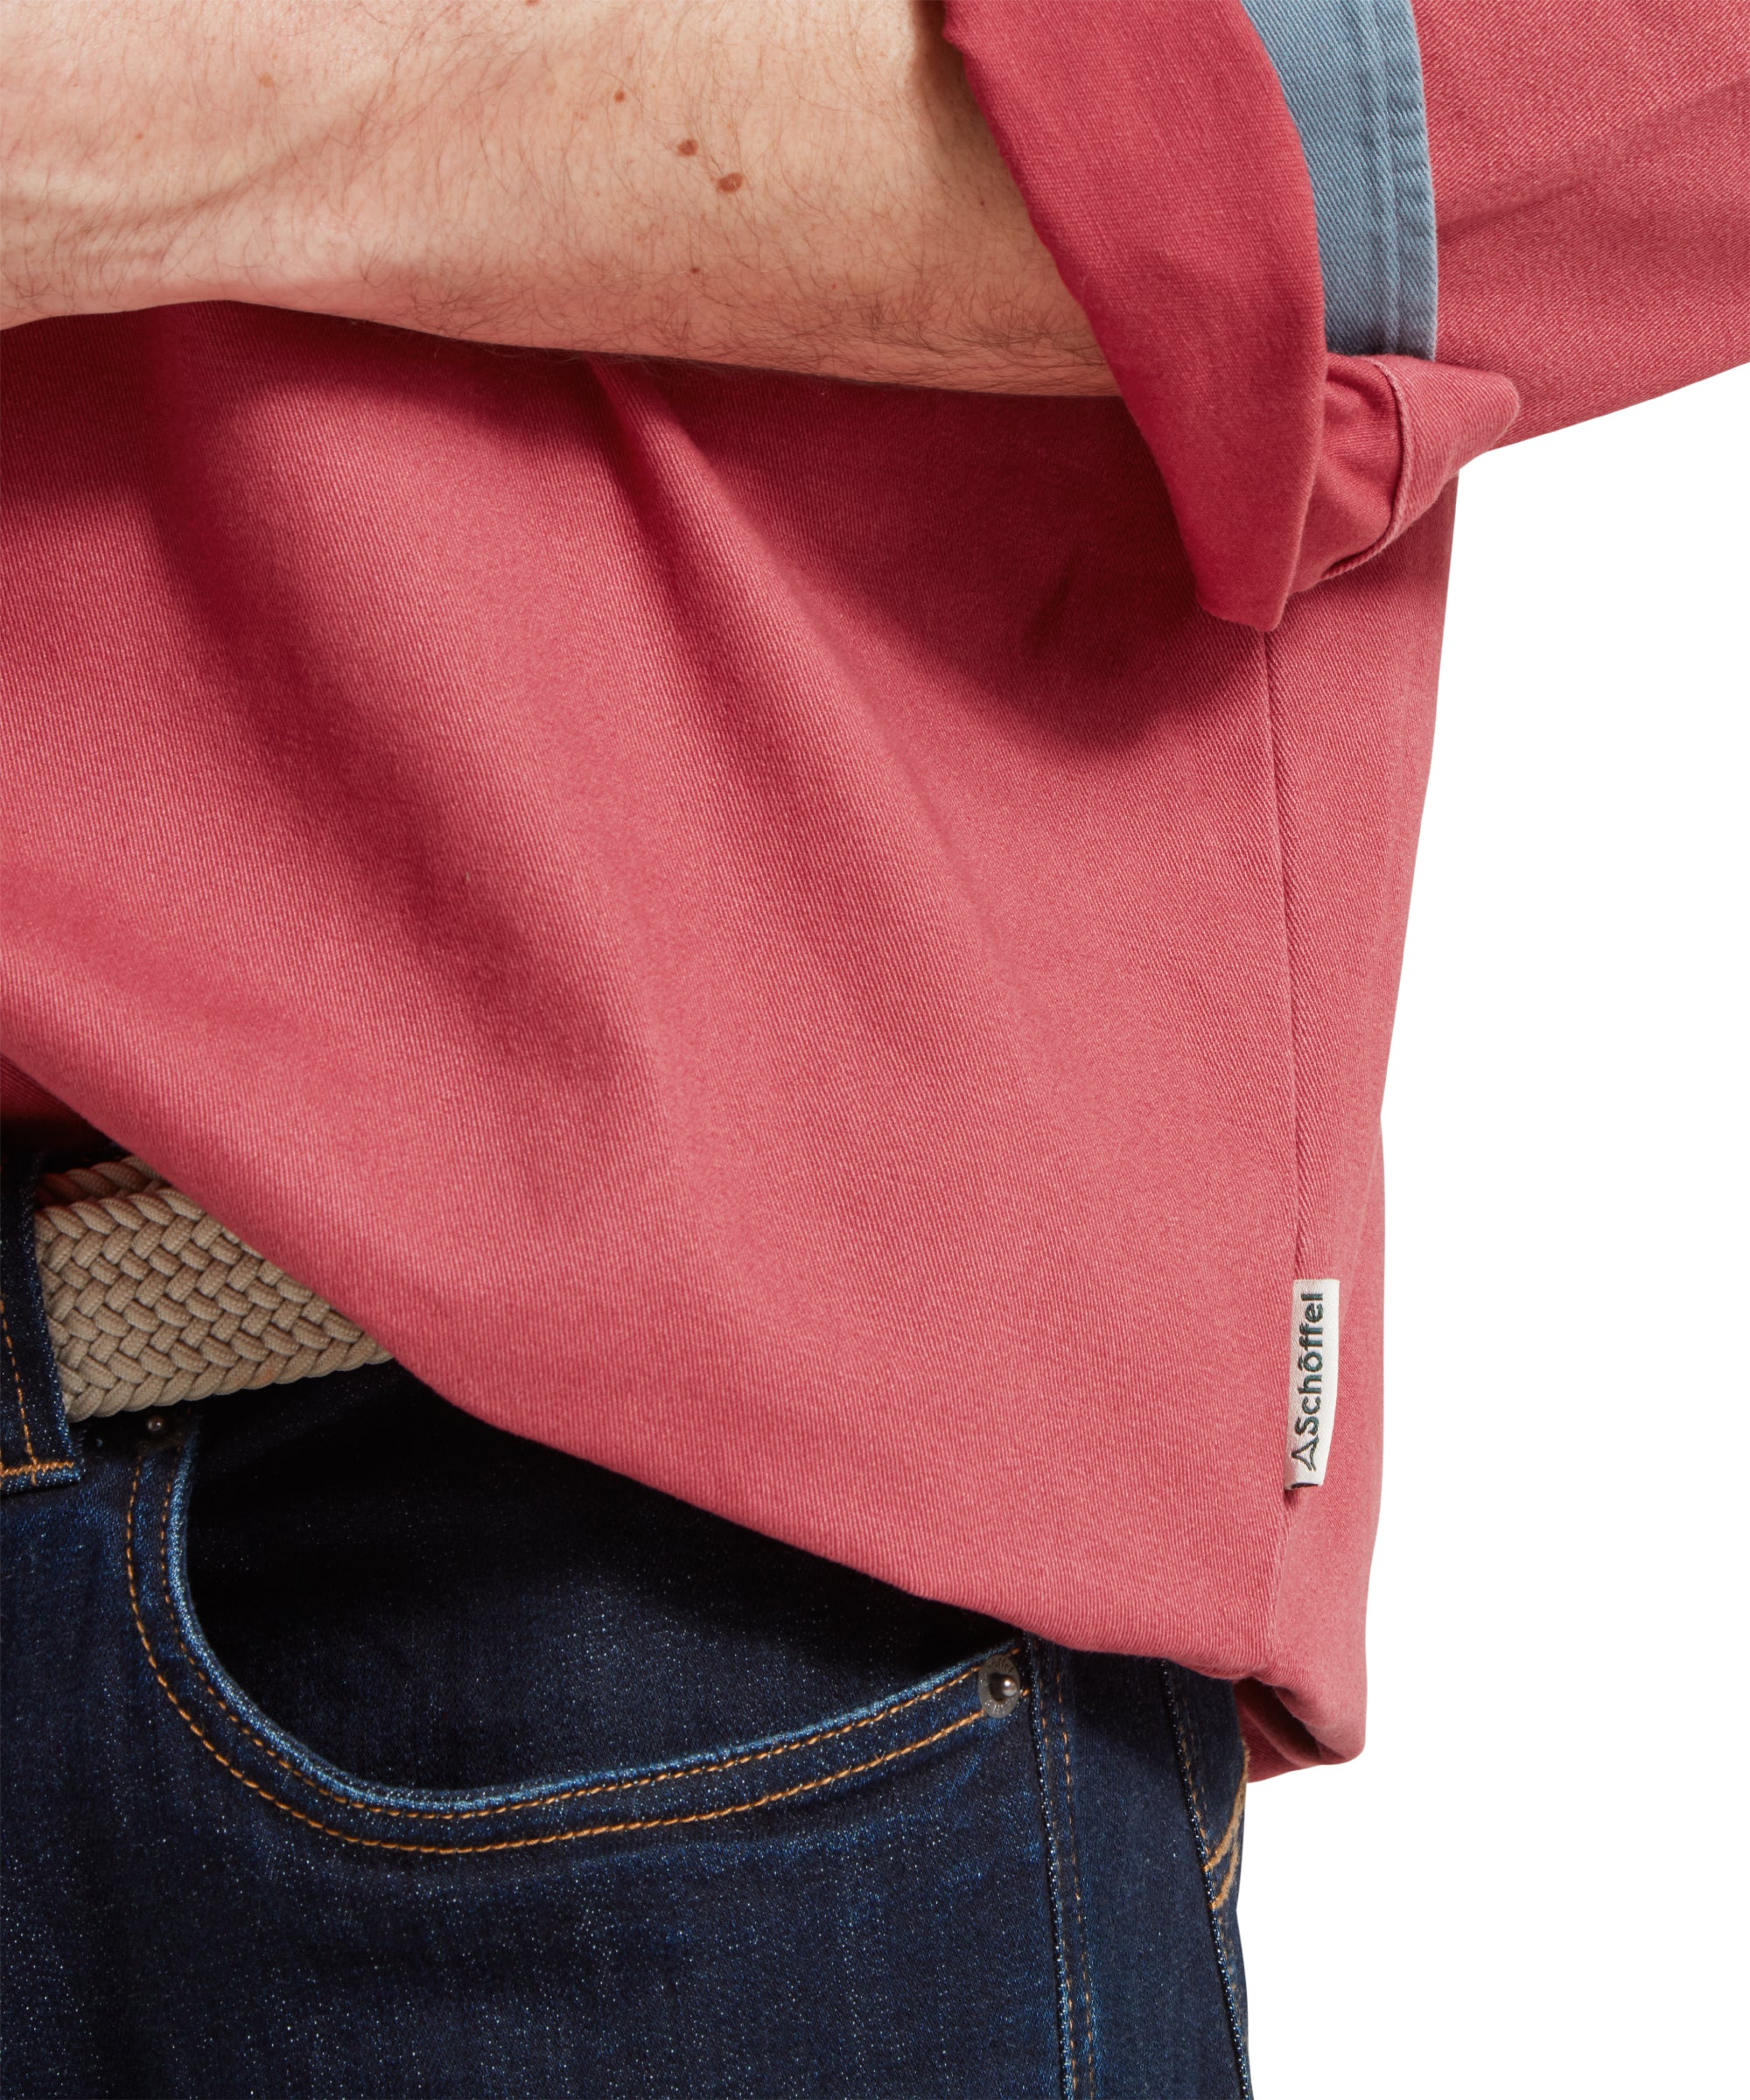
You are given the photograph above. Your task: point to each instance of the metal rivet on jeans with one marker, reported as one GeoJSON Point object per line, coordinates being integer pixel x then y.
{"type": "Point", "coordinates": [155, 1426]}
{"type": "Point", "coordinates": [1000, 1686]}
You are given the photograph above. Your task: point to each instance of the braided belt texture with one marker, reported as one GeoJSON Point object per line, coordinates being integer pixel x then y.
{"type": "Point", "coordinates": [150, 1301]}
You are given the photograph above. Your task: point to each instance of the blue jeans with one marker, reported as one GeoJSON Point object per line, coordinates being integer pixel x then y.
{"type": "Point", "coordinates": [355, 1749]}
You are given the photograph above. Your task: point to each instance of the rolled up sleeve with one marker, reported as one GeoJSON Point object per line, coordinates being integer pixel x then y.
{"type": "Point", "coordinates": [1333, 249]}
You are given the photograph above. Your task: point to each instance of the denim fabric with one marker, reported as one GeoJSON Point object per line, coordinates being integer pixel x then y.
{"type": "Point", "coordinates": [36, 1447]}
{"type": "Point", "coordinates": [1351, 73]}
{"type": "Point", "coordinates": [358, 1749]}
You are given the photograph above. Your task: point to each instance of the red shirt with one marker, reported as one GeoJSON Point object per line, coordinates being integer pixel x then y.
{"type": "Point", "coordinates": [833, 947]}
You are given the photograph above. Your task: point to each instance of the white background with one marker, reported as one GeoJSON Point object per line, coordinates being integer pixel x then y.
{"type": "Point", "coordinates": [1533, 1882]}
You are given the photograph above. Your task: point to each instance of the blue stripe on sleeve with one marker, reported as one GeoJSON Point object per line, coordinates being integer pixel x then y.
{"type": "Point", "coordinates": [1351, 71]}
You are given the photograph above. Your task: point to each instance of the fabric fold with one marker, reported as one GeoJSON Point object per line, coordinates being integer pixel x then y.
{"type": "Point", "coordinates": [750, 929]}
{"type": "Point", "coordinates": [1162, 167]}
{"type": "Point", "coordinates": [1351, 72]}
{"type": "Point", "coordinates": [1230, 191]}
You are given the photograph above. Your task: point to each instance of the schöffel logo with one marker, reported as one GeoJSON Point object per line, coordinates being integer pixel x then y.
{"type": "Point", "coordinates": [1312, 1381]}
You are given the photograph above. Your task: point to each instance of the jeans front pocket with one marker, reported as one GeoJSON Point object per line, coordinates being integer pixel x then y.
{"type": "Point", "coordinates": [795, 1892]}
{"type": "Point", "coordinates": [355, 1749]}
{"type": "Point", "coordinates": [440, 1618]}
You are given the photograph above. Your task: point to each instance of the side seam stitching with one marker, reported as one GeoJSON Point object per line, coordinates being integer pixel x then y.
{"type": "Point", "coordinates": [1068, 2070]}
{"type": "Point", "coordinates": [1179, 1721]}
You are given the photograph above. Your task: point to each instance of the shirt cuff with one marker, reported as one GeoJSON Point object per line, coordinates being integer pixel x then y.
{"type": "Point", "coordinates": [1214, 207]}
{"type": "Point", "coordinates": [1155, 150]}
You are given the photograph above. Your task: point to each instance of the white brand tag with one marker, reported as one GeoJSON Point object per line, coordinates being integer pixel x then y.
{"type": "Point", "coordinates": [1312, 1381]}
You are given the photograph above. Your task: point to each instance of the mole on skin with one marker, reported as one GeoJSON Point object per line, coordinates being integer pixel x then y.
{"type": "Point", "coordinates": [726, 183]}
{"type": "Point", "coordinates": [687, 147]}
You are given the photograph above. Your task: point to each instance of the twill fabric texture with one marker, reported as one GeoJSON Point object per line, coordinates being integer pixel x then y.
{"type": "Point", "coordinates": [888, 902]}
{"type": "Point", "coordinates": [1351, 74]}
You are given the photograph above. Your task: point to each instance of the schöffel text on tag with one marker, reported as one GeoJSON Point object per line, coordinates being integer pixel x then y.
{"type": "Point", "coordinates": [1312, 1381]}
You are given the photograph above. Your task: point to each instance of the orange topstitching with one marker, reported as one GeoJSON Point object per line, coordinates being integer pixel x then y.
{"type": "Point", "coordinates": [507, 1844]}
{"type": "Point", "coordinates": [32, 1463]}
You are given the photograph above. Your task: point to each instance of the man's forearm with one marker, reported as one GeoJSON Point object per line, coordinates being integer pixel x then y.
{"type": "Point", "coordinates": [801, 184]}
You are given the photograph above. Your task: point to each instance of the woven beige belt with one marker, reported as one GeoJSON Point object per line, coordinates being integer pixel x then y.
{"type": "Point", "coordinates": [150, 1301]}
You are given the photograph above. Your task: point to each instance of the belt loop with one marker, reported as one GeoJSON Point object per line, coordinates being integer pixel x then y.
{"type": "Point", "coordinates": [36, 1447]}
